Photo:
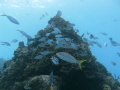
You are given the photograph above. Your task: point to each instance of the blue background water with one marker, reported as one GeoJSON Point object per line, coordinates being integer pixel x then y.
{"type": "Point", "coordinates": [93, 16]}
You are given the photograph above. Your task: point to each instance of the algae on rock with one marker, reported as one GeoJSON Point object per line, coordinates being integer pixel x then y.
{"type": "Point", "coordinates": [23, 69]}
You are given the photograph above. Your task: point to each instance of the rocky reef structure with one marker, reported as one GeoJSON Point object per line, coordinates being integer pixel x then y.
{"type": "Point", "coordinates": [31, 68]}
{"type": "Point", "coordinates": [1, 63]}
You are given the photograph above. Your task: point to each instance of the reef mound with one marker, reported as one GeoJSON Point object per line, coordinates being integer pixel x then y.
{"type": "Point", "coordinates": [23, 69]}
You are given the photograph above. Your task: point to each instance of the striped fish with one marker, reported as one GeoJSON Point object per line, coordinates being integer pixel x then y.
{"type": "Point", "coordinates": [13, 20]}
{"type": "Point", "coordinates": [69, 58]}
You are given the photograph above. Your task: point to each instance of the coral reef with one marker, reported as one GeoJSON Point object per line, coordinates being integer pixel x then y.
{"type": "Point", "coordinates": [1, 63]}
{"type": "Point", "coordinates": [24, 70]}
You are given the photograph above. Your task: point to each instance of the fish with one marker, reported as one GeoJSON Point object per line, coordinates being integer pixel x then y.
{"type": "Point", "coordinates": [103, 33]}
{"type": "Point", "coordinates": [77, 30]}
{"type": "Point", "coordinates": [37, 36]}
{"type": "Point", "coordinates": [56, 30]}
{"type": "Point", "coordinates": [82, 35]}
{"type": "Point", "coordinates": [55, 60]}
{"type": "Point", "coordinates": [42, 39]}
{"type": "Point", "coordinates": [51, 78]}
{"type": "Point", "coordinates": [91, 36]}
{"type": "Point", "coordinates": [90, 43]}
{"type": "Point", "coordinates": [58, 36]}
{"type": "Point", "coordinates": [48, 26]}
{"type": "Point", "coordinates": [42, 44]}
{"type": "Point", "coordinates": [114, 43]}
{"type": "Point", "coordinates": [106, 87]}
{"type": "Point", "coordinates": [94, 42]}
{"type": "Point", "coordinates": [118, 54]}
{"type": "Point", "coordinates": [30, 42]}
{"type": "Point", "coordinates": [13, 20]}
{"type": "Point", "coordinates": [110, 39]}
{"type": "Point", "coordinates": [70, 24]}
{"type": "Point", "coordinates": [99, 45]}
{"type": "Point", "coordinates": [42, 16]}
{"type": "Point", "coordinates": [59, 13]}
{"type": "Point", "coordinates": [69, 58]}
{"type": "Point", "coordinates": [60, 39]}
{"type": "Point", "coordinates": [38, 57]}
{"type": "Point", "coordinates": [25, 34]}
{"type": "Point", "coordinates": [47, 34]}
{"type": "Point", "coordinates": [85, 39]}
{"type": "Point", "coordinates": [95, 37]}
{"type": "Point", "coordinates": [68, 39]}
{"type": "Point", "coordinates": [5, 43]}
{"type": "Point", "coordinates": [88, 33]}
{"type": "Point", "coordinates": [83, 54]}
{"type": "Point", "coordinates": [46, 13]}
{"type": "Point", "coordinates": [45, 52]}
{"type": "Point", "coordinates": [113, 63]}
{"type": "Point", "coordinates": [105, 44]}
{"type": "Point", "coordinates": [74, 46]}
{"type": "Point", "coordinates": [14, 40]}
{"type": "Point", "coordinates": [50, 42]}
{"type": "Point", "coordinates": [68, 28]}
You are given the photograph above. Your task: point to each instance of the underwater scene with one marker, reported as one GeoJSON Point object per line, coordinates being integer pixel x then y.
{"type": "Point", "coordinates": [59, 44]}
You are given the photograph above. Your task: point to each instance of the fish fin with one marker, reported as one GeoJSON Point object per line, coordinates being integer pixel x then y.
{"type": "Point", "coordinates": [80, 64]}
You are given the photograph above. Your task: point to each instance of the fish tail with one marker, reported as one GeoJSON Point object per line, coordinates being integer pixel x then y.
{"type": "Point", "coordinates": [3, 15]}
{"type": "Point", "coordinates": [80, 64]}
{"type": "Point", "coordinates": [51, 87]}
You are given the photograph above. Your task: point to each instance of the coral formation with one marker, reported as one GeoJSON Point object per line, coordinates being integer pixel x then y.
{"type": "Point", "coordinates": [24, 70]}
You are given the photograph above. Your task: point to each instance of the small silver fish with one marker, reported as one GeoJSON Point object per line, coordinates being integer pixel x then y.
{"type": "Point", "coordinates": [47, 34]}
{"type": "Point", "coordinates": [13, 20]}
{"type": "Point", "coordinates": [25, 34]}
{"type": "Point", "coordinates": [55, 60]}
{"type": "Point", "coordinates": [59, 13]}
{"type": "Point", "coordinates": [30, 42]}
{"type": "Point", "coordinates": [5, 43]}
{"type": "Point", "coordinates": [45, 52]}
{"type": "Point", "coordinates": [70, 24]}
{"type": "Point", "coordinates": [48, 26]}
{"type": "Point", "coordinates": [58, 36]}
{"type": "Point", "coordinates": [74, 46]}
{"type": "Point", "coordinates": [68, 28]}
{"type": "Point", "coordinates": [56, 30]}
{"type": "Point", "coordinates": [113, 63]}
{"type": "Point", "coordinates": [103, 33]}
{"type": "Point", "coordinates": [42, 44]}
{"type": "Point", "coordinates": [91, 36]}
{"type": "Point", "coordinates": [42, 39]}
{"type": "Point", "coordinates": [105, 44]}
{"type": "Point", "coordinates": [14, 40]}
{"type": "Point", "coordinates": [84, 54]}
{"type": "Point", "coordinates": [37, 36]}
{"type": "Point", "coordinates": [38, 57]}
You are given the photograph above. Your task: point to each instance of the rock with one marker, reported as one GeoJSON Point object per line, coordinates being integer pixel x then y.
{"type": "Point", "coordinates": [23, 70]}
{"type": "Point", "coordinates": [1, 63]}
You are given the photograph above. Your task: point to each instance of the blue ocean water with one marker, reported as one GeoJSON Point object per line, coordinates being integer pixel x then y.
{"type": "Point", "coordinates": [93, 16]}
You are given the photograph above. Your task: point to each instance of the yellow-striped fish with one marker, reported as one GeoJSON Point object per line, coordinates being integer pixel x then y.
{"type": "Point", "coordinates": [69, 58]}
